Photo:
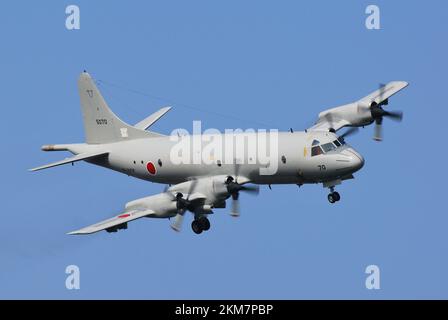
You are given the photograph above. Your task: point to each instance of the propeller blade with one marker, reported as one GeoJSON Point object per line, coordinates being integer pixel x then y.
{"type": "Point", "coordinates": [235, 212]}
{"type": "Point", "coordinates": [178, 221]}
{"type": "Point", "coordinates": [394, 115]}
{"type": "Point", "coordinates": [378, 136]}
{"type": "Point", "coordinates": [182, 206]}
{"type": "Point", "coordinates": [329, 119]}
{"type": "Point", "coordinates": [378, 113]}
{"type": "Point", "coordinates": [251, 189]}
{"type": "Point", "coordinates": [381, 87]}
{"type": "Point", "coordinates": [236, 170]}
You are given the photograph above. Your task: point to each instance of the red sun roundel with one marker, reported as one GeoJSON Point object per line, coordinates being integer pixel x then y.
{"type": "Point", "coordinates": [151, 168]}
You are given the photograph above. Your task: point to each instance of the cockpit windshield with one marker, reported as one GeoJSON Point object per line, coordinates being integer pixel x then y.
{"type": "Point", "coordinates": [318, 149]}
{"type": "Point", "coordinates": [328, 147]}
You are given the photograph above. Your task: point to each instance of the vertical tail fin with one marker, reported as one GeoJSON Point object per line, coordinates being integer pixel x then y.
{"type": "Point", "coordinates": [100, 123]}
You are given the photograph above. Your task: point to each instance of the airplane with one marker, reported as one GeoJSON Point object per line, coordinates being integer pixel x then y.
{"type": "Point", "coordinates": [315, 155]}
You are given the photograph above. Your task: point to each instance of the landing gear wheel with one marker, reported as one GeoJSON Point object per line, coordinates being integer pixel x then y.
{"type": "Point", "coordinates": [204, 223]}
{"type": "Point", "coordinates": [196, 226]}
{"type": "Point", "coordinates": [336, 196]}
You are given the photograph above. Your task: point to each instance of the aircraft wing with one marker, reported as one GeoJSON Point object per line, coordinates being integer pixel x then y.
{"type": "Point", "coordinates": [115, 223]}
{"type": "Point", "coordinates": [78, 157]}
{"type": "Point", "coordinates": [385, 92]}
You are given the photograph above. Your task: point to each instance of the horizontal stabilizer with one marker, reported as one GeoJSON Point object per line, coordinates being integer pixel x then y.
{"type": "Point", "coordinates": [78, 157]}
{"type": "Point", "coordinates": [115, 223]}
{"type": "Point", "coordinates": [149, 121]}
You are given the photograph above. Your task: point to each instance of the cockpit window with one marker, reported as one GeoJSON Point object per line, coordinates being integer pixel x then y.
{"type": "Point", "coordinates": [315, 142]}
{"type": "Point", "coordinates": [341, 140]}
{"type": "Point", "coordinates": [337, 143]}
{"type": "Point", "coordinates": [328, 147]}
{"type": "Point", "coordinates": [315, 151]}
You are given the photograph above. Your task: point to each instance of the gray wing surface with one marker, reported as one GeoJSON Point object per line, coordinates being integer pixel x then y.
{"type": "Point", "coordinates": [119, 220]}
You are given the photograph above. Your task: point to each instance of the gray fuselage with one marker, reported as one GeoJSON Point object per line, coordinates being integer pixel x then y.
{"type": "Point", "coordinates": [294, 161]}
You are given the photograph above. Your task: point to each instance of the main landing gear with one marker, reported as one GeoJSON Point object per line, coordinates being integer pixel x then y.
{"type": "Point", "coordinates": [200, 224]}
{"type": "Point", "coordinates": [333, 196]}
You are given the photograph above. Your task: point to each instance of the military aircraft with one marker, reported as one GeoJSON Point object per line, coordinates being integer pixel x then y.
{"type": "Point", "coordinates": [316, 155]}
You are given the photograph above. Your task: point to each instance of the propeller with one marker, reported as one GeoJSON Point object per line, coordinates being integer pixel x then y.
{"type": "Point", "coordinates": [378, 113]}
{"type": "Point", "coordinates": [234, 188]}
{"type": "Point", "coordinates": [182, 205]}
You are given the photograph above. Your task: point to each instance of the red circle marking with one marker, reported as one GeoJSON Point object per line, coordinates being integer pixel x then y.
{"type": "Point", "coordinates": [151, 168]}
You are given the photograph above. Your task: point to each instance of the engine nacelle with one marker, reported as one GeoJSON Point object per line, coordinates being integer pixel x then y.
{"type": "Point", "coordinates": [219, 186]}
{"type": "Point", "coordinates": [354, 114]}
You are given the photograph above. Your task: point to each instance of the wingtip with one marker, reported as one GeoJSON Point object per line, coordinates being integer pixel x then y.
{"type": "Point", "coordinates": [75, 233]}
{"type": "Point", "coordinates": [404, 83]}
{"type": "Point", "coordinates": [166, 109]}
{"type": "Point", "coordinates": [401, 83]}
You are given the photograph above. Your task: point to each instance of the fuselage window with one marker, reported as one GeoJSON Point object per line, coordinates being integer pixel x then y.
{"type": "Point", "coordinates": [328, 147]}
{"type": "Point", "coordinates": [315, 151]}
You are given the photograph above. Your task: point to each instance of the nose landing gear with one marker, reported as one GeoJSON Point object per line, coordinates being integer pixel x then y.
{"type": "Point", "coordinates": [333, 196]}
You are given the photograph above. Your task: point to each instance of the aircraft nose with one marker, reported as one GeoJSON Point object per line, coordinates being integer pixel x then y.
{"type": "Point", "coordinates": [356, 160]}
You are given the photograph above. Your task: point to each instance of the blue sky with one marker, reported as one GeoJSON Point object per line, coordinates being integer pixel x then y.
{"type": "Point", "coordinates": [263, 62]}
